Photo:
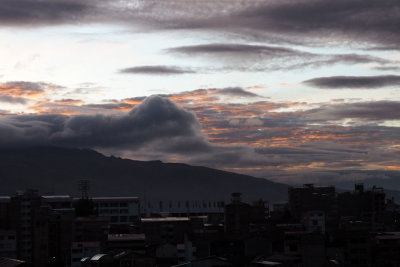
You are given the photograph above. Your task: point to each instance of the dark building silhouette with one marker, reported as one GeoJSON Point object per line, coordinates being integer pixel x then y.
{"type": "Point", "coordinates": [47, 231]}
{"type": "Point", "coordinates": [24, 215]}
{"type": "Point", "coordinates": [166, 230]}
{"type": "Point", "coordinates": [307, 198]}
{"type": "Point", "coordinates": [237, 216]}
{"type": "Point", "coordinates": [365, 205]}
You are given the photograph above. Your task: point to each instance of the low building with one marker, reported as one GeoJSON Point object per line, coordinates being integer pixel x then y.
{"type": "Point", "coordinates": [126, 241]}
{"type": "Point", "coordinates": [314, 221]}
{"type": "Point", "coordinates": [8, 244]}
{"type": "Point", "coordinates": [166, 230]}
{"type": "Point", "coordinates": [120, 210]}
{"type": "Point", "coordinates": [80, 250]}
{"type": "Point", "coordinates": [206, 262]}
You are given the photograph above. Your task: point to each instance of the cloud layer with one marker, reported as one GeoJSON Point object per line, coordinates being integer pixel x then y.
{"type": "Point", "coordinates": [155, 70]}
{"type": "Point", "coordinates": [202, 127]}
{"type": "Point", "coordinates": [354, 82]}
{"type": "Point", "coordinates": [291, 21]}
{"type": "Point", "coordinates": [155, 120]}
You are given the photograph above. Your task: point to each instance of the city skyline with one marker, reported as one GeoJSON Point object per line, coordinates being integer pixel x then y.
{"type": "Point", "coordinates": [293, 91]}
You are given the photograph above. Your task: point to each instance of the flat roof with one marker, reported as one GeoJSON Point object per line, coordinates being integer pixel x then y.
{"type": "Point", "coordinates": [115, 198]}
{"type": "Point", "coordinates": [268, 263]}
{"type": "Point", "coordinates": [98, 257]}
{"type": "Point", "coordinates": [85, 244]}
{"type": "Point", "coordinates": [55, 198]}
{"type": "Point", "coordinates": [388, 235]}
{"type": "Point", "coordinates": [166, 219]}
{"type": "Point", "coordinates": [126, 237]}
{"type": "Point", "coordinates": [5, 199]}
{"type": "Point", "coordinates": [93, 219]}
{"type": "Point", "coordinates": [6, 262]}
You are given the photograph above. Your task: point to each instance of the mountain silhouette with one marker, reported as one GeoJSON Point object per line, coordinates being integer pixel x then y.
{"type": "Point", "coordinates": [55, 170]}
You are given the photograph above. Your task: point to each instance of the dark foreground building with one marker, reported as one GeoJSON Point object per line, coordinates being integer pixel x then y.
{"type": "Point", "coordinates": [316, 227]}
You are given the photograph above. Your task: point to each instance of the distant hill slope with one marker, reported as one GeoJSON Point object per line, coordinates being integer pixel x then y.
{"type": "Point", "coordinates": [58, 170]}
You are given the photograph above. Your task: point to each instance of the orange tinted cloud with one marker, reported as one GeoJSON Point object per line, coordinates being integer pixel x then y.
{"type": "Point", "coordinates": [22, 89]}
{"type": "Point", "coordinates": [73, 102]}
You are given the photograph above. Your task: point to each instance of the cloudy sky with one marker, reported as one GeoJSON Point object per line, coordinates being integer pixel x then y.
{"type": "Point", "coordinates": [291, 90]}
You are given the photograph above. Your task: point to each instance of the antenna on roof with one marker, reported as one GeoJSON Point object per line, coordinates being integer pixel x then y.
{"type": "Point", "coordinates": [84, 188]}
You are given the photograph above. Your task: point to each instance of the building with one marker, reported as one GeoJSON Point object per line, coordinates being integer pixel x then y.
{"type": "Point", "coordinates": [120, 210]}
{"type": "Point", "coordinates": [314, 221]}
{"type": "Point", "coordinates": [24, 211]}
{"type": "Point", "coordinates": [386, 249]}
{"type": "Point", "coordinates": [80, 250]}
{"type": "Point", "coordinates": [8, 244]}
{"type": "Point", "coordinates": [166, 230]}
{"type": "Point", "coordinates": [134, 242]}
{"type": "Point", "coordinates": [365, 205]}
{"type": "Point", "coordinates": [312, 198]}
{"type": "Point", "coordinates": [211, 261]}
{"type": "Point", "coordinates": [92, 229]}
{"type": "Point", "coordinates": [5, 212]}
{"type": "Point", "coordinates": [181, 208]}
{"type": "Point", "coordinates": [237, 216]}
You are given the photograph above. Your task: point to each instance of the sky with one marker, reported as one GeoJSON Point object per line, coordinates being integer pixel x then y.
{"type": "Point", "coordinates": [289, 90]}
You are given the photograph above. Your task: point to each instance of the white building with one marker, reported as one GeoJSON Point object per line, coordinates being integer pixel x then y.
{"type": "Point", "coordinates": [121, 210]}
{"type": "Point", "coordinates": [181, 207]}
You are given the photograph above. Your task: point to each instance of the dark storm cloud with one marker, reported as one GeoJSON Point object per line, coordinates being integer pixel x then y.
{"type": "Point", "coordinates": [376, 110]}
{"type": "Point", "coordinates": [370, 23]}
{"type": "Point", "coordinates": [32, 12]}
{"type": "Point", "coordinates": [374, 20]}
{"type": "Point", "coordinates": [258, 57]}
{"type": "Point", "coordinates": [346, 59]}
{"type": "Point", "coordinates": [114, 106]}
{"type": "Point", "coordinates": [305, 150]}
{"type": "Point", "coordinates": [387, 68]}
{"type": "Point", "coordinates": [156, 70]}
{"type": "Point", "coordinates": [155, 120]}
{"type": "Point", "coordinates": [354, 82]}
{"type": "Point", "coordinates": [236, 91]}
{"type": "Point", "coordinates": [239, 49]}
{"type": "Point", "coordinates": [373, 23]}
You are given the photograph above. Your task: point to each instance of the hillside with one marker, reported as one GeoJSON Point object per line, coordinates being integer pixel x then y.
{"type": "Point", "coordinates": [58, 170]}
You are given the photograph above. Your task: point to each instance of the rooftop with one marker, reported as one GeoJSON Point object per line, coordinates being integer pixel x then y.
{"type": "Point", "coordinates": [85, 244]}
{"type": "Point", "coordinates": [6, 262]}
{"type": "Point", "coordinates": [167, 219]}
{"type": "Point", "coordinates": [5, 199]}
{"type": "Point", "coordinates": [115, 198]}
{"type": "Point", "coordinates": [268, 263]}
{"type": "Point", "coordinates": [126, 237]}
